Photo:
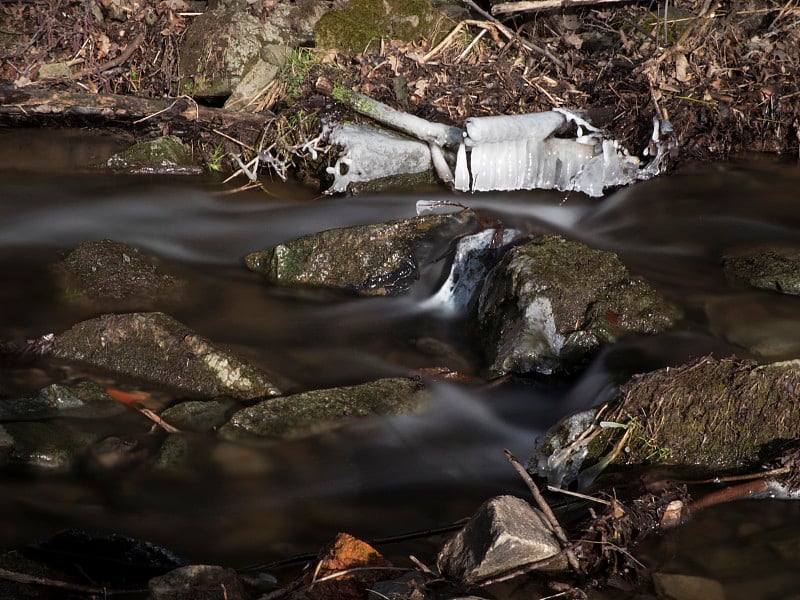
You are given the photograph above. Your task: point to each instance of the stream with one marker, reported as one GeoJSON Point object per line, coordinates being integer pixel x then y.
{"type": "Point", "coordinates": [378, 477]}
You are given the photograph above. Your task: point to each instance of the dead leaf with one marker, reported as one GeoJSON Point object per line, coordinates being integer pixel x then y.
{"type": "Point", "coordinates": [681, 68]}
{"type": "Point", "coordinates": [573, 40]}
{"type": "Point", "coordinates": [103, 45]}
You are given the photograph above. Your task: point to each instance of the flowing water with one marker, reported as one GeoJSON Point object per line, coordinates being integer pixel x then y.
{"type": "Point", "coordinates": [378, 476]}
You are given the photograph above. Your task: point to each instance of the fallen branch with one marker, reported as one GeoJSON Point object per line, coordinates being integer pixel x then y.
{"type": "Point", "coordinates": [123, 57]}
{"type": "Point", "coordinates": [31, 104]}
{"type": "Point", "coordinates": [505, 8]}
{"type": "Point", "coordinates": [525, 43]}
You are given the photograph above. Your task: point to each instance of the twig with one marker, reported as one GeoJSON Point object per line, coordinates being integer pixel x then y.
{"type": "Point", "coordinates": [27, 579]}
{"type": "Point", "coordinates": [125, 55]}
{"type": "Point", "coordinates": [339, 574]}
{"type": "Point", "coordinates": [525, 43]}
{"type": "Point", "coordinates": [233, 139]}
{"type": "Point", "coordinates": [158, 420]}
{"type": "Point", "coordinates": [163, 110]}
{"type": "Point", "coordinates": [578, 495]}
{"type": "Point", "coordinates": [545, 508]}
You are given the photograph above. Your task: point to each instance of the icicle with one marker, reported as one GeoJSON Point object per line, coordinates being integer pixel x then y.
{"type": "Point", "coordinates": [462, 170]}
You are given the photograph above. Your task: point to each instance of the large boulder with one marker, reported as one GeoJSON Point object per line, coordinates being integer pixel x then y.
{"type": "Point", "coordinates": [156, 348]}
{"type": "Point", "coordinates": [553, 302]}
{"type": "Point", "coordinates": [714, 414]}
{"type": "Point", "coordinates": [111, 274]}
{"type": "Point", "coordinates": [370, 260]}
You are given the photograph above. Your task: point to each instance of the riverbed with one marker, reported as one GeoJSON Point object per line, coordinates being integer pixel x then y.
{"type": "Point", "coordinates": [378, 477]}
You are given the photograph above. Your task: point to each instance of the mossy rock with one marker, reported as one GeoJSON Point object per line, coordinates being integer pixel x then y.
{"type": "Point", "coordinates": [156, 348]}
{"type": "Point", "coordinates": [713, 414]}
{"type": "Point", "coordinates": [551, 303]}
{"type": "Point", "coordinates": [216, 50]}
{"type": "Point", "coordinates": [775, 268]}
{"type": "Point", "coordinates": [370, 260]}
{"type": "Point", "coordinates": [309, 413]}
{"type": "Point", "coordinates": [362, 24]}
{"type": "Point", "coordinates": [166, 154]}
{"type": "Point", "coordinates": [115, 275]}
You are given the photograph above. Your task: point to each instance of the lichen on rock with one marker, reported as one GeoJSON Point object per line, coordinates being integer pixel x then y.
{"type": "Point", "coordinates": [156, 348]}
{"type": "Point", "coordinates": [307, 413]}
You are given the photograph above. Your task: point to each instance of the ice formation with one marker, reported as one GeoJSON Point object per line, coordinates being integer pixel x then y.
{"type": "Point", "coordinates": [493, 153]}
{"type": "Point", "coordinates": [369, 153]}
{"type": "Point", "coordinates": [520, 153]}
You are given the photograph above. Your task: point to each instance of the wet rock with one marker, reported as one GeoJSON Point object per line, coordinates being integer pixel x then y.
{"type": "Point", "coordinates": [674, 586]}
{"type": "Point", "coordinates": [52, 446]}
{"type": "Point", "coordinates": [363, 23]}
{"type": "Point", "coordinates": [200, 416]}
{"type": "Point", "coordinates": [104, 558]}
{"type": "Point", "coordinates": [115, 453]}
{"type": "Point", "coordinates": [506, 533]}
{"type": "Point", "coordinates": [474, 256]}
{"type": "Point", "coordinates": [553, 302]}
{"type": "Point", "coordinates": [156, 348]}
{"type": "Point", "coordinates": [167, 154]}
{"type": "Point", "coordinates": [84, 399]}
{"type": "Point", "coordinates": [716, 414]}
{"type": "Point", "coordinates": [193, 582]}
{"type": "Point", "coordinates": [178, 455]}
{"type": "Point", "coordinates": [308, 413]}
{"type": "Point", "coordinates": [115, 275]}
{"type": "Point", "coordinates": [410, 586]}
{"type": "Point", "coordinates": [371, 260]}
{"type": "Point", "coordinates": [775, 268]}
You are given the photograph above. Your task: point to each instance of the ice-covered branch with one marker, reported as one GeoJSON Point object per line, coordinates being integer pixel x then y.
{"type": "Point", "coordinates": [495, 153]}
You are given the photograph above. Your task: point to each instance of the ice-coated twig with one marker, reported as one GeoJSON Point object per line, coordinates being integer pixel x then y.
{"type": "Point", "coordinates": [427, 131]}
{"type": "Point", "coordinates": [440, 165]}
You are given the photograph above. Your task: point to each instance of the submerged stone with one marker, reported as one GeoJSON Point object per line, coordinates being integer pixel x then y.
{"type": "Point", "coordinates": [308, 413]}
{"type": "Point", "coordinates": [156, 348]}
{"type": "Point", "coordinates": [553, 302]}
{"type": "Point", "coordinates": [166, 154]}
{"type": "Point", "coordinates": [505, 533]}
{"type": "Point", "coordinates": [775, 268]}
{"type": "Point", "coordinates": [715, 414]}
{"type": "Point", "coordinates": [370, 260]}
{"type": "Point", "coordinates": [52, 445]}
{"type": "Point", "coordinates": [198, 581]}
{"type": "Point", "coordinates": [117, 275]}
{"type": "Point", "coordinates": [84, 399]}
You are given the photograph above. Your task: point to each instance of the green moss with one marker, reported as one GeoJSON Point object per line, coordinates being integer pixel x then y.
{"type": "Point", "coordinates": [360, 26]}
